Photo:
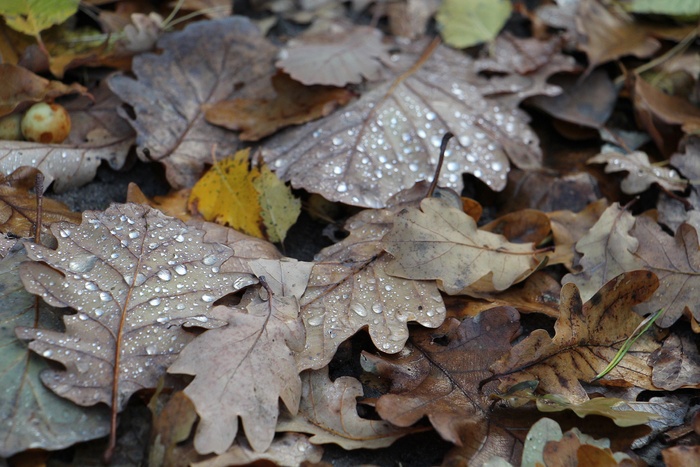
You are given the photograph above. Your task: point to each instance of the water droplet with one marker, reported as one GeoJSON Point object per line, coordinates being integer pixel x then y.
{"type": "Point", "coordinates": [315, 320]}
{"type": "Point", "coordinates": [47, 353]}
{"type": "Point", "coordinates": [497, 166]}
{"type": "Point", "coordinates": [181, 269]}
{"type": "Point", "coordinates": [342, 187]}
{"type": "Point", "coordinates": [337, 141]}
{"type": "Point", "coordinates": [82, 366]}
{"type": "Point", "coordinates": [179, 238]}
{"type": "Point", "coordinates": [155, 301]}
{"type": "Point", "coordinates": [359, 309]}
{"type": "Point", "coordinates": [337, 170]}
{"type": "Point", "coordinates": [162, 319]}
{"type": "Point", "coordinates": [377, 308]}
{"type": "Point", "coordinates": [453, 166]}
{"type": "Point", "coordinates": [207, 298]}
{"type": "Point", "coordinates": [151, 350]}
{"type": "Point", "coordinates": [164, 275]}
{"type": "Point", "coordinates": [200, 318]}
{"type": "Point", "coordinates": [209, 260]}
{"type": "Point", "coordinates": [91, 285]}
{"type": "Point", "coordinates": [140, 279]}
{"type": "Point", "coordinates": [133, 235]}
{"type": "Point", "coordinates": [82, 316]}
{"type": "Point", "coordinates": [65, 233]}
{"type": "Point", "coordinates": [240, 282]}
{"type": "Point", "coordinates": [114, 255]}
{"type": "Point", "coordinates": [99, 312]}
{"type": "Point", "coordinates": [465, 141]}
{"type": "Point", "coordinates": [105, 296]}
{"type": "Point", "coordinates": [82, 263]}
{"type": "Point", "coordinates": [388, 288]}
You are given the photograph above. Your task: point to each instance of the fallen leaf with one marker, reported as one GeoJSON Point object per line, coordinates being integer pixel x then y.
{"type": "Point", "coordinates": [328, 411]}
{"type": "Point", "coordinates": [120, 269]}
{"type": "Point", "coordinates": [585, 341]}
{"type": "Point", "coordinates": [33, 416]}
{"type": "Point", "coordinates": [438, 242]}
{"type": "Point", "coordinates": [388, 140]}
{"type": "Point", "coordinates": [677, 363]}
{"type": "Point", "coordinates": [21, 86]}
{"type": "Point", "coordinates": [18, 205]}
{"type": "Point", "coordinates": [242, 370]}
{"type": "Point", "coordinates": [174, 204]}
{"type": "Point", "coordinates": [291, 449]}
{"type": "Point", "coordinates": [464, 23]}
{"type": "Point", "coordinates": [607, 251]}
{"type": "Point", "coordinates": [410, 18]}
{"type": "Point", "coordinates": [33, 16]}
{"type": "Point", "coordinates": [673, 212]}
{"type": "Point", "coordinates": [681, 456]}
{"type": "Point", "coordinates": [293, 104]}
{"type": "Point", "coordinates": [681, 8]}
{"type": "Point", "coordinates": [335, 56]}
{"type": "Point", "coordinates": [641, 172]}
{"type": "Point", "coordinates": [525, 226]}
{"type": "Point", "coordinates": [171, 87]}
{"type": "Point", "coordinates": [569, 227]}
{"type": "Point", "coordinates": [172, 424]}
{"type": "Point", "coordinates": [279, 208]}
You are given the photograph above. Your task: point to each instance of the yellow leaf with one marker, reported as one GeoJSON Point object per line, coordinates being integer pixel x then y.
{"type": "Point", "coordinates": [226, 195]}
{"type": "Point", "coordinates": [464, 23]}
{"type": "Point", "coordinates": [280, 209]}
{"type": "Point", "coordinates": [33, 16]}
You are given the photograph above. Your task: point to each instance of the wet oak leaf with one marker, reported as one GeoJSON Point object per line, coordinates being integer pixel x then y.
{"type": "Point", "coordinates": [135, 277]}
{"type": "Point", "coordinates": [677, 363]}
{"type": "Point", "coordinates": [607, 251]}
{"type": "Point", "coordinates": [279, 208]}
{"type": "Point", "coordinates": [569, 227]}
{"type": "Point", "coordinates": [293, 104]}
{"type": "Point", "coordinates": [641, 172]}
{"type": "Point", "coordinates": [192, 70]}
{"type": "Point", "coordinates": [33, 416]}
{"type": "Point", "coordinates": [335, 56]}
{"type": "Point", "coordinates": [18, 205]}
{"type": "Point", "coordinates": [586, 339]}
{"type": "Point", "coordinates": [388, 139]}
{"type": "Point", "coordinates": [289, 449]}
{"type": "Point", "coordinates": [242, 370]}
{"type": "Point", "coordinates": [328, 411]}
{"type": "Point", "coordinates": [676, 261]}
{"type": "Point", "coordinates": [439, 242]}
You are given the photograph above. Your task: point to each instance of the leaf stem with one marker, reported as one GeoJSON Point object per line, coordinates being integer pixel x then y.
{"type": "Point", "coordinates": [443, 145]}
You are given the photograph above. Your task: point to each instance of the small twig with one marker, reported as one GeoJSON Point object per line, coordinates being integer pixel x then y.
{"type": "Point", "coordinates": [39, 189]}
{"type": "Point", "coordinates": [443, 146]}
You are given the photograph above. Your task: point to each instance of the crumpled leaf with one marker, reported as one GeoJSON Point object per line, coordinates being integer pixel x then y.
{"type": "Point", "coordinates": [243, 369]}
{"type": "Point", "coordinates": [464, 23]}
{"type": "Point", "coordinates": [33, 416]}
{"type": "Point", "coordinates": [607, 251]}
{"type": "Point", "coordinates": [328, 411]}
{"type": "Point", "coordinates": [439, 242]}
{"type": "Point", "coordinates": [585, 342]}
{"type": "Point", "coordinates": [20, 85]}
{"type": "Point", "coordinates": [349, 289]}
{"type": "Point", "coordinates": [33, 16]}
{"type": "Point", "coordinates": [18, 205]}
{"type": "Point", "coordinates": [291, 449]}
{"type": "Point", "coordinates": [335, 55]}
{"type": "Point", "coordinates": [438, 376]}
{"type": "Point", "coordinates": [641, 173]}
{"type": "Point", "coordinates": [677, 363]}
{"type": "Point", "coordinates": [171, 87]}
{"type": "Point", "coordinates": [293, 104]}
{"type": "Point", "coordinates": [388, 140]}
{"type": "Point", "coordinates": [135, 278]}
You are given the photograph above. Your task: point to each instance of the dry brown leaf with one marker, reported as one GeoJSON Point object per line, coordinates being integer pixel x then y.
{"type": "Point", "coordinates": [135, 278]}
{"type": "Point", "coordinates": [607, 251]}
{"type": "Point", "coordinates": [569, 227]}
{"type": "Point", "coordinates": [171, 87]}
{"type": "Point", "coordinates": [18, 205]}
{"type": "Point", "coordinates": [328, 411]}
{"type": "Point", "coordinates": [243, 369]}
{"type": "Point", "coordinates": [335, 56]}
{"type": "Point", "coordinates": [438, 242]}
{"type": "Point", "coordinates": [677, 363]}
{"type": "Point", "coordinates": [525, 226]}
{"type": "Point", "coordinates": [291, 449]}
{"type": "Point", "coordinates": [293, 104]}
{"type": "Point", "coordinates": [21, 86]}
{"type": "Point", "coordinates": [587, 337]}
{"type": "Point", "coordinates": [641, 172]}
{"type": "Point", "coordinates": [676, 261]}
{"type": "Point", "coordinates": [681, 456]}
{"type": "Point", "coordinates": [172, 424]}
{"type": "Point", "coordinates": [388, 140]}
{"type": "Point", "coordinates": [173, 204]}
{"type": "Point", "coordinates": [350, 290]}
{"type": "Point", "coordinates": [672, 211]}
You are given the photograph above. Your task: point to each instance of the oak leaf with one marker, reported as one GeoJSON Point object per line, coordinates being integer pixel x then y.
{"type": "Point", "coordinates": [33, 416]}
{"type": "Point", "coordinates": [467, 23]}
{"type": "Point", "coordinates": [171, 87]}
{"type": "Point", "coordinates": [288, 450]}
{"type": "Point", "coordinates": [135, 277]}
{"type": "Point", "coordinates": [442, 243]}
{"type": "Point", "coordinates": [328, 411]}
{"type": "Point", "coordinates": [673, 211]}
{"type": "Point", "coordinates": [388, 140]}
{"type": "Point", "coordinates": [585, 341]}
{"type": "Point", "coordinates": [677, 363]}
{"type": "Point", "coordinates": [641, 172]}
{"type": "Point", "coordinates": [569, 227]}
{"type": "Point", "coordinates": [33, 16]}
{"type": "Point", "coordinates": [174, 204]}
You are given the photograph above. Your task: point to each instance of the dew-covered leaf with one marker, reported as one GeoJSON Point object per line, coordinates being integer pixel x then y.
{"type": "Point", "coordinates": [349, 289]}
{"type": "Point", "coordinates": [464, 23]}
{"type": "Point", "coordinates": [33, 416]}
{"type": "Point", "coordinates": [290, 449]}
{"type": "Point", "coordinates": [641, 172]}
{"type": "Point", "coordinates": [135, 278]}
{"type": "Point", "coordinates": [336, 55]}
{"type": "Point", "coordinates": [243, 369]}
{"type": "Point", "coordinates": [388, 140]}
{"type": "Point", "coordinates": [192, 70]}
{"type": "Point", "coordinates": [439, 242]}
{"type": "Point", "coordinates": [328, 411]}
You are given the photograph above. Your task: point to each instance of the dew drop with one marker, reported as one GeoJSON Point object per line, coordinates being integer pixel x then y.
{"type": "Point", "coordinates": [47, 353]}
{"type": "Point", "coordinates": [453, 166]}
{"type": "Point", "coordinates": [164, 275]}
{"type": "Point", "coordinates": [82, 317]}
{"type": "Point", "coordinates": [342, 187]}
{"type": "Point", "coordinates": [181, 269]}
{"type": "Point", "coordinates": [65, 233]}
{"type": "Point", "coordinates": [140, 279]}
{"type": "Point", "coordinates": [207, 298]}
{"type": "Point", "coordinates": [359, 309]}
{"type": "Point", "coordinates": [162, 319]}
{"type": "Point", "coordinates": [315, 320]}
{"type": "Point", "coordinates": [91, 285]}
{"type": "Point", "coordinates": [99, 312]}
{"type": "Point", "coordinates": [377, 308]}
{"type": "Point", "coordinates": [209, 260]}
{"type": "Point", "coordinates": [152, 246]}
{"type": "Point", "coordinates": [155, 301]}
{"type": "Point", "coordinates": [497, 166]}
{"type": "Point", "coordinates": [179, 238]}
{"type": "Point", "coordinates": [82, 263]}
{"type": "Point", "coordinates": [114, 255]}
{"type": "Point", "coordinates": [200, 318]}
{"type": "Point", "coordinates": [337, 141]}
{"type": "Point", "coordinates": [133, 234]}
{"type": "Point", "coordinates": [337, 170]}
{"type": "Point", "coordinates": [151, 350]}
{"type": "Point", "coordinates": [105, 296]}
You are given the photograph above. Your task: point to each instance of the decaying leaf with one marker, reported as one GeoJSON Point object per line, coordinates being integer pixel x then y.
{"type": "Point", "coordinates": [349, 289]}
{"type": "Point", "coordinates": [569, 227]}
{"type": "Point", "coordinates": [135, 278]}
{"type": "Point", "coordinates": [677, 363]}
{"type": "Point", "coordinates": [607, 251]}
{"type": "Point", "coordinates": [328, 411]}
{"type": "Point", "coordinates": [464, 23]}
{"type": "Point", "coordinates": [293, 104]}
{"type": "Point", "coordinates": [641, 172]}
{"type": "Point", "coordinates": [279, 208]}
{"type": "Point", "coordinates": [289, 450]}
{"type": "Point", "coordinates": [442, 243]}
{"type": "Point", "coordinates": [18, 206]}
{"type": "Point", "coordinates": [33, 16]}
{"type": "Point", "coordinates": [585, 341]}
{"type": "Point", "coordinates": [673, 211]}
{"type": "Point", "coordinates": [33, 416]}
{"type": "Point", "coordinates": [388, 140]}
{"type": "Point", "coordinates": [335, 56]}
{"type": "Point", "coordinates": [243, 369]}
{"type": "Point", "coordinates": [171, 87]}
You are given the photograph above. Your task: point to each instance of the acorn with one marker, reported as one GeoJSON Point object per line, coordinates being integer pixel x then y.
{"type": "Point", "coordinates": [46, 123]}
